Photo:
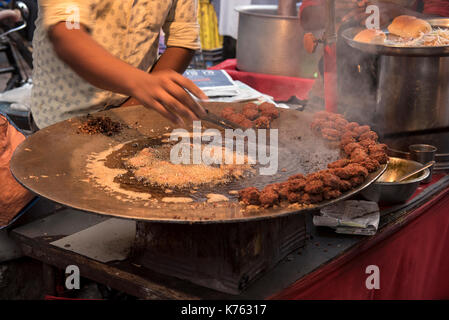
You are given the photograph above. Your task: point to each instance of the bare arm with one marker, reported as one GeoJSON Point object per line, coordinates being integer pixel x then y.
{"type": "Point", "coordinates": [162, 91]}
{"type": "Point", "coordinates": [174, 58]}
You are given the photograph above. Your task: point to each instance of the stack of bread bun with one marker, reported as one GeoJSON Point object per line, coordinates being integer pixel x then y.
{"type": "Point", "coordinates": [407, 27]}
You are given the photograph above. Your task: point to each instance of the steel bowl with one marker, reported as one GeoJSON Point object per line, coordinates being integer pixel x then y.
{"type": "Point", "coordinates": [388, 190]}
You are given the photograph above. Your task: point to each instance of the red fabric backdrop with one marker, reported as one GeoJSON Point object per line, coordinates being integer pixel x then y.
{"type": "Point", "coordinates": [279, 87]}
{"type": "Point", "coordinates": [413, 263]}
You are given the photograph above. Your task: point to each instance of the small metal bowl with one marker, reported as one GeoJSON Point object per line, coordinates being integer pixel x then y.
{"type": "Point", "coordinates": [387, 190]}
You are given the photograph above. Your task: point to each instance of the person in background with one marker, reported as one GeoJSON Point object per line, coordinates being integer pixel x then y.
{"type": "Point", "coordinates": [352, 12]}
{"type": "Point", "coordinates": [89, 55]}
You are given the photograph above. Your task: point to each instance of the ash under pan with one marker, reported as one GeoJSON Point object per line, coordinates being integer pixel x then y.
{"type": "Point", "coordinates": [53, 163]}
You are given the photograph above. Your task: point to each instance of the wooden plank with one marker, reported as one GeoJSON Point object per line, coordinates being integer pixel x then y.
{"type": "Point", "coordinates": [108, 275]}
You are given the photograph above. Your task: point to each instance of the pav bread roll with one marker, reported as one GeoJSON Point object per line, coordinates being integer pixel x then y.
{"type": "Point", "coordinates": [370, 36]}
{"type": "Point", "coordinates": [409, 27]}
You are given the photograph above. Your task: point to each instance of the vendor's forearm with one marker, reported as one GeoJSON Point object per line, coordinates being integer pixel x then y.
{"type": "Point", "coordinates": [91, 61]}
{"type": "Point", "coordinates": [175, 58]}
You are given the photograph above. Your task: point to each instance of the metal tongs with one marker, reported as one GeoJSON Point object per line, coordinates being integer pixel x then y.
{"type": "Point", "coordinates": [215, 119]}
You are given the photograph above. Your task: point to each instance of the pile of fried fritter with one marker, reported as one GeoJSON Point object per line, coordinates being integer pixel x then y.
{"type": "Point", "coordinates": [361, 153]}
{"type": "Point", "coordinates": [252, 115]}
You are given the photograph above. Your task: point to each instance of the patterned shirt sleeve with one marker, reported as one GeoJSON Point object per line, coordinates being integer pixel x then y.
{"type": "Point", "coordinates": [74, 12]}
{"type": "Point", "coordinates": [181, 27]}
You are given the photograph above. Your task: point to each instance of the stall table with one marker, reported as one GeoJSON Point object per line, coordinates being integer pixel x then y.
{"type": "Point", "coordinates": [410, 249]}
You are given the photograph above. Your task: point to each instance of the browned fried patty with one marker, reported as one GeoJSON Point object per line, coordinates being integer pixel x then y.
{"type": "Point", "coordinates": [250, 196]}
{"type": "Point", "coordinates": [246, 123]}
{"type": "Point", "coordinates": [351, 170]}
{"type": "Point", "coordinates": [356, 181]}
{"type": "Point", "coordinates": [330, 180]}
{"type": "Point", "coordinates": [351, 147]}
{"type": "Point", "coordinates": [339, 163]}
{"type": "Point", "coordinates": [330, 193]}
{"type": "Point", "coordinates": [296, 185]}
{"type": "Point", "coordinates": [296, 176]}
{"type": "Point", "coordinates": [268, 197]}
{"type": "Point", "coordinates": [226, 112]}
{"type": "Point", "coordinates": [330, 134]}
{"type": "Point", "coordinates": [367, 143]}
{"type": "Point", "coordinates": [250, 106]}
{"type": "Point", "coordinates": [314, 186]}
{"type": "Point", "coordinates": [262, 123]}
{"type": "Point", "coordinates": [351, 126]}
{"type": "Point", "coordinates": [369, 135]}
{"type": "Point", "coordinates": [251, 114]}
{"type": "Point", "coordinates": [236, 118]}
{"type": "Point", "coordinates": [358, 155]}
{"type": "Point", "coordinates": [381, 157]}
{"type": "Point", "coordinates": [294, 197]}
{"type": "Point", "coordinates": [370, 164]}
{"type": "Point", "coordinates": [378, 148]}
{"type": "Point", "coordinates": [360, 130]}
{"type": "Point", "coordinates": [312, 198]}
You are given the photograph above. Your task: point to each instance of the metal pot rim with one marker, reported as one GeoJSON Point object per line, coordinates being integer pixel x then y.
{"type": "Point", "coordinates": [246, 10]}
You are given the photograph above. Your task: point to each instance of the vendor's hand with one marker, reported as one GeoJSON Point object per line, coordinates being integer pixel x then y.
{"type": "Point", "coordinates": [165, 92]}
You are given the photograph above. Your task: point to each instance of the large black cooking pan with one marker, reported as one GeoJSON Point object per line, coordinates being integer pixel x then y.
{"type": "Point", "coordinates": [52, 163]}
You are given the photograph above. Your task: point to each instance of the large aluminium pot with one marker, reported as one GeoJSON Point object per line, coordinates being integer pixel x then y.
{"type": "Point", "coordinates": [272, 44]}
{"type": "Point", "coordinates": [412, 93]}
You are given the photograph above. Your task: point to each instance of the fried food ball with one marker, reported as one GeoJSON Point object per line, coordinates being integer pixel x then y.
{"type": "Point", "coordinates": [335, 116]}
{"type": "Point", "coordinates": [331, 134]}
{"type": "Point", "coordinates": [381, 157]}
{"type": "Point", "coordinates": [340, 124]}
{"type": "Point", "coordinates": [330, 193]}
{"type": "Point", "coordinates": [294, 197]}
{"type": "Point", "coordinates": [272, 113]}
{"type": "Point", "coordinates": [367, 143]}
{"type": "Point", "coordinates": [312, 198]}
{"type": "Point", "coordinates": [345, 185]}
{"type": "Point", "coordinates": [262, 123]}
{"type": "Point", "coordinates": [370, 164]}
{"type": "Point", "coordinates": [250, 106]}
{"type": "Point", "coordinates": [250, 114]}
{"type": "Point", "coordinates": [351, 170]}
{"type": "Point", "coordinates": [339, 163]}
{"type": "Point", "coordinates": [356, 181]}
{"type": "Point", "coordinates": [269, 110]}
{"type": "Point", "coordinates": [314, 186]}
{"type": "Point", "coordinates": [283, 190]}
{"type": "Point", "coordinates": [378, 148]}
{"type": "Point", "coordinates": [236, 118]}
{"type": "Point", "coordinates": [330, 180]}
{"type": "Point", "coordinates": [358, 155]}
{"type": "Point", "coordinates": [246, 123]}
{"type": "Point", "coordinates": [351, 126]}
{"type": "Point", "coordinates": [296, 176]}
{"type": "Point", "coordinates": [296, 185]}
{"type": "Point", "coordinates": [250, 196]}
{"type": "Point", "coordinates": [349, 148]}
{"type": "Point", "coordinates": [360, 130]}
{"type": "Point", "coordinates": [250, 111]}
{"type": "Point", "coordinates": [227, 112]}
{"type": "Point", "coordinates": [269, 197]}
{"type": "Point", "coordinates": [369, 135]}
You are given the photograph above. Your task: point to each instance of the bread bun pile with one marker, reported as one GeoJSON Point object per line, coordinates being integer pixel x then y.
{"type": "Point", "coordinates": [409, 27]}
{"type": "Point", "coordinates": [371, 36]}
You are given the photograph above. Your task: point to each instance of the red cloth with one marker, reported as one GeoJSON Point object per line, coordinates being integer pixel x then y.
{"type": "Point", "coordinates": [279, 87]}
{"type": "Point", "coordinates": [431, 7]}
{"type": "Point", "coordinates": [413, 262]}
{"type": "Point", "coordinates": [436, 7]}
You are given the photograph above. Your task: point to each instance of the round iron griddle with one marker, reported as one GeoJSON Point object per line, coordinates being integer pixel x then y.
{"type": "Point", "coordinates": [398, 50]}
{"type": "Point", "coordinates": [52, 163]}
